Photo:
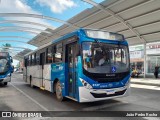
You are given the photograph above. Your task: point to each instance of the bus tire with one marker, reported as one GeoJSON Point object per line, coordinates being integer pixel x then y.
{"type": "Point", "coordinates": [58, 90]}
{"type": "Point", "coordinates": [5, 83]}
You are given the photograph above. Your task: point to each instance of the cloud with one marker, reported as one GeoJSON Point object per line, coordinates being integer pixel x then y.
{"type": "Point", "coordinates": [56, 6]}
{"type": "Point", "coordinates": [20, 6]}
{"type": "Point", "coordinates": [7, 6]}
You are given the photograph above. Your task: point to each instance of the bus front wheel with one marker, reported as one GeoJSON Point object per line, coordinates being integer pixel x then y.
{"type": "Point", "coordinates": [59, 91]}
{"type": "Point", "coordinates": [5, 83]}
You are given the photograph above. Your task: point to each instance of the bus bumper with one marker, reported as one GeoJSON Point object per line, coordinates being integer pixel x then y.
{"type": "Point", "coordinates": [6, 79]}
{"type": "Point", "coordinates": [91, 95]}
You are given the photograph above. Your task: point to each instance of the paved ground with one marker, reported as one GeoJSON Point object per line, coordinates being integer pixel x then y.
{"type": "Point", "coordinates": [146, 81]}
{"type": "Point", "coordinates": [18, 96]}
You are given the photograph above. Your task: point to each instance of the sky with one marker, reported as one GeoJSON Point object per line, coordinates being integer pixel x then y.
{"type": "Point", "coordinates": [61, 9]}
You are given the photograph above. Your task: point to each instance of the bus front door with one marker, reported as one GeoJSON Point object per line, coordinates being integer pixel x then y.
{"type": "Point", "coordinates": [71, 60]}
{"type": "Point", "coordinates": [42, 60]}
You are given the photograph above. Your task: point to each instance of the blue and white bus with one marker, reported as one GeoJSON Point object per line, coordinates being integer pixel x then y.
{"type": "Point", "coordinates": [85, 66]}
{"type": "Point", "coordinates": [5, 68]}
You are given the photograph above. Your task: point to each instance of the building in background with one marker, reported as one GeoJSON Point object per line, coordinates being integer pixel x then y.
{"type": "Point", "coordinates": [137, 57]}
{"type": "Point", "coordinates": [152, 57]}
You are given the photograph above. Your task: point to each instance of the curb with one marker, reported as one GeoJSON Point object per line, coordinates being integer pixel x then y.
{"type": "Point", "coordinates": [145, 83]}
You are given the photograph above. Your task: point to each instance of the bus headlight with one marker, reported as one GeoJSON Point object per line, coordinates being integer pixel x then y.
{"type": "Point", "coordinates": [86, 84]}
{"type": "Point", "coordinates": [9, 75]}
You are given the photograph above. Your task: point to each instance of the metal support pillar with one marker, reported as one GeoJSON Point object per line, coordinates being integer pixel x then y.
{"type": "Point", "coordinates": [144, 60]}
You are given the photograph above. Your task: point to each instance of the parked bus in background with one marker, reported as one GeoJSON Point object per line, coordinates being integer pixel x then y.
{"type": "Point", "coordinates": [5, 67]}
{"type": "Point", "coordinates": [85, 66]}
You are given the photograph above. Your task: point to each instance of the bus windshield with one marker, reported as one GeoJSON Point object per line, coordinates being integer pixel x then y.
{"type": "Point", "coordinates": [105, 58]}
{"type": "Point", "coordinates": [4, 64]}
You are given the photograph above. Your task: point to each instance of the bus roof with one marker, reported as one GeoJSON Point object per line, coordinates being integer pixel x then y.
{"type": "Point", "coordinates": [41, 47]}
{"type": "Point", "coordinates": [83, 32]}
{"type": "Point", "coordinates": [66, 36]}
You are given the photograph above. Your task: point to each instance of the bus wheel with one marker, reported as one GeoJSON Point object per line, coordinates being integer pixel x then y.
{"type": "Point", "coordinates": [5, 83]}
{"type": "Point", "coordinates": [59, 91]}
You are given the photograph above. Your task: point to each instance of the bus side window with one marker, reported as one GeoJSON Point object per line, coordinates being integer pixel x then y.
{"type": "Point", "coordinates": [25, 62]}
{"type": "Point", "coordinates": [37, 59]}
{"type": "Point", "coordinates": [49, 55]}
{"type": "Point", "coordinates": [53, 54]}
{"type": "Point", "coordinates": [29, 60]}
{"type": "Point", "coordinates": [58, 52]}
{"type": "Point", "coordinates": [33, 59]}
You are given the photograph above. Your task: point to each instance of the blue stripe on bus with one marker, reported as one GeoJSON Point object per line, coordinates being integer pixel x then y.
{"type": "Point", "coordinates": [58, 72]}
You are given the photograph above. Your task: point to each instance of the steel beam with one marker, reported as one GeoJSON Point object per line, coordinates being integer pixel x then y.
{"type": "Point", "coordinates": [15, 37]}
{"type": "Point", "coordinates": [133, 7]}
{"type": "Point", "coordinates": [113, 4]}
{"type": "Point", "coordinates": [20, 30]}
{"type": "Point", "coordinates": [108, 11]}
{"type": "Point", "coordinates": [14, 47]}
{"type": "Point", "coordinates": [13, 41]}
{"type": "Point", "coordinates": [24, 28]}
{"type": "Point", "coordinates": [37, 16]}
{"type": "Point", "coordinates": [26, 22]}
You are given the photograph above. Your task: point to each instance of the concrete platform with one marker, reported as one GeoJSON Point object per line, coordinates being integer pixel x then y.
{"type": "Point", "coordinates": [146, 81]}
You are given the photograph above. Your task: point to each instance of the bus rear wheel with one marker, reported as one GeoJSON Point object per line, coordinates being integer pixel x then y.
{"type": "Point", "coordinates": [59, 92]}
{"type": "Point", "coordinates": [5, 83]}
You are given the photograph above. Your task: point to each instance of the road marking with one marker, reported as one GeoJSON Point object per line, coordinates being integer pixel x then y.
{"type": "Point", "coordinates": [44, 108]}
{"type": "Point", "coordinates": [145, 86]}
{"type": "Point", "coordinates": [19, 82]}
{"type": "Point", "coordinates": [98, 107]}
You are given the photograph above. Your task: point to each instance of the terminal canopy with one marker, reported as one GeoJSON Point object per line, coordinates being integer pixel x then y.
{"type": "Point", "coordinates": [137, 20]}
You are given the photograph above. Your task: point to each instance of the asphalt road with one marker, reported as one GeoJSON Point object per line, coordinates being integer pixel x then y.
{"type": "Point", "coordinates": [19, 96]}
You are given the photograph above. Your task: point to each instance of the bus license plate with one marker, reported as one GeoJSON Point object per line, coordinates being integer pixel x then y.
{"type": "Point", "coordinates": [110, 92]}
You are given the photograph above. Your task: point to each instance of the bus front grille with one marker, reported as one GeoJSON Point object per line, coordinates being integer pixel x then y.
{"type": "Point", "coordinates": [101, 95]}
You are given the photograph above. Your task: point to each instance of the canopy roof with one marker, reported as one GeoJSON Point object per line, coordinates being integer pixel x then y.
{"type": "Point", "coordinates": [137, 20]}
{"type": "Point", "coordinates": [20, 55]}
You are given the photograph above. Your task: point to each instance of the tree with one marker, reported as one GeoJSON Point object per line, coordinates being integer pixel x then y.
{"type": "Point", "coordinates": [5, 47]}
